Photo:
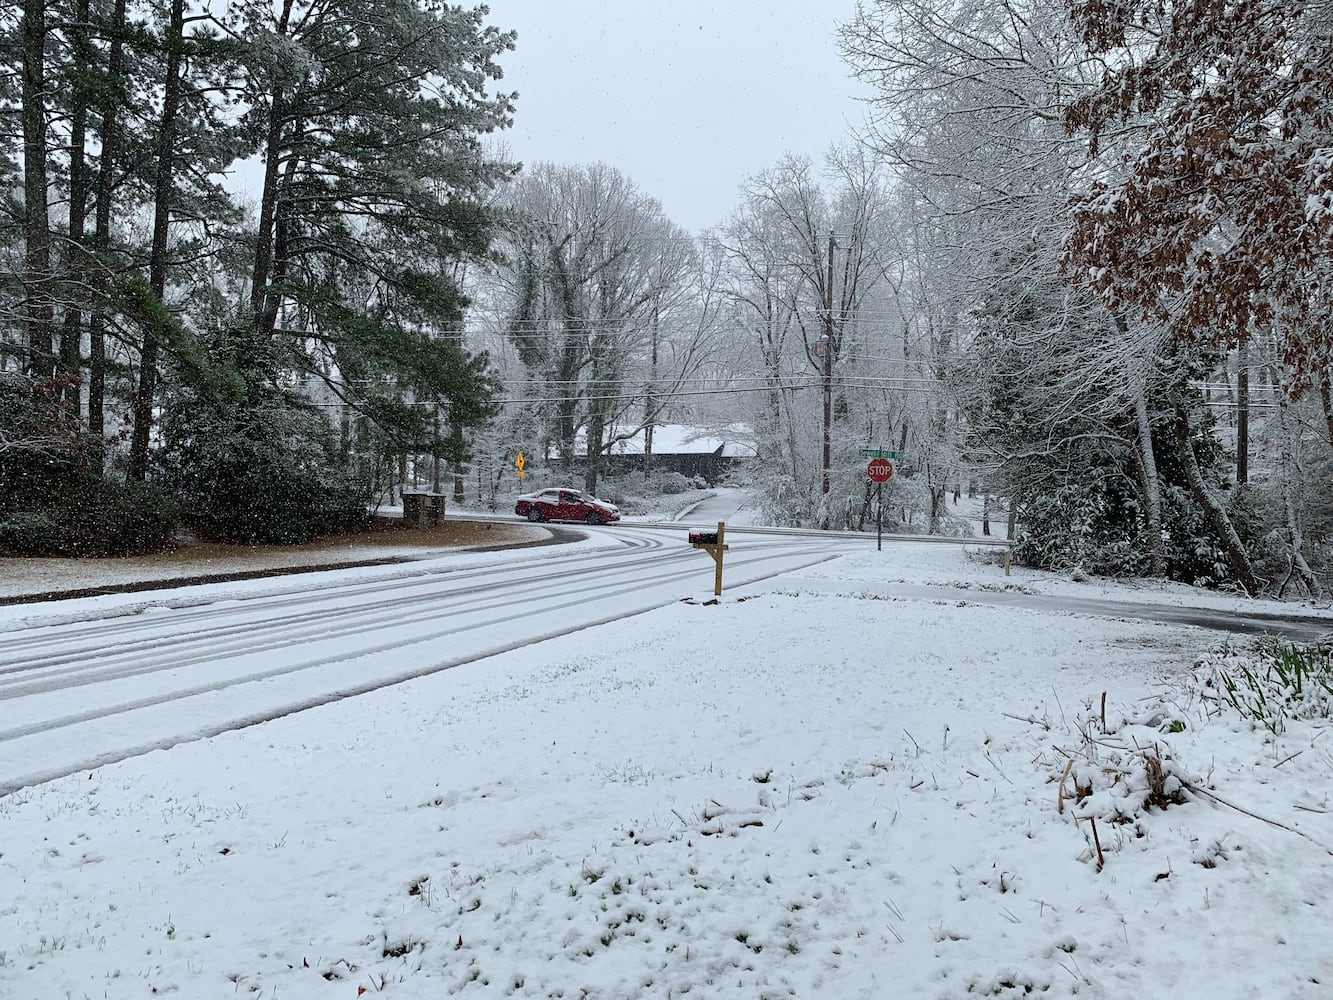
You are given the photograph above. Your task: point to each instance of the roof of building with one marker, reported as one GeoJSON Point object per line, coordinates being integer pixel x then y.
{"type": "Point", "coordinates": [735, 441]}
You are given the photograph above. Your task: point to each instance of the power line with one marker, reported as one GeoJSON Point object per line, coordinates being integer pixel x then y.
{"type": "Point", "coordinates": [739, 390]}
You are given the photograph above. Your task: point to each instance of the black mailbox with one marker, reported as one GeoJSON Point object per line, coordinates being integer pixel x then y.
{"type": "Point", "coordinates": [703, 537]}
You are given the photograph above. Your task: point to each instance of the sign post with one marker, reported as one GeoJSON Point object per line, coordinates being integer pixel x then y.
{"type": "Point", "coordinates": [880, 471]}
{"type": "Point", "coordinates": [519, 463]}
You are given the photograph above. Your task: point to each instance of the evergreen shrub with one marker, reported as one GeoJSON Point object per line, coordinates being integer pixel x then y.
{"type": "Point", "coordinates": [267, 475]}
{"type": "Point", "coordinates": [78, 514]}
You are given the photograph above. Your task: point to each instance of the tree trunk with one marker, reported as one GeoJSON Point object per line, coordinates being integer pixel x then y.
{"type": "Point", "coordinates": [1326, 399]}
{"type": "Point", "coordinates": [157, 259]}
{"type": "Point", "coordinates": [937, 495]}
{"type": "Point", "coordinates": [569, 358]}
{"type": "Point", "coordinates": [262, 310]}
{"type": "Point", "coordinates": [36, 227]}
{"type": "Point", "coordinates": [259, 278]}
{"type": "Point", "coordinates": [596, 432]}
{"type": "Point", "coordinates": [71, 333]}
{"type": "Point", "coordinates": [106, 184]}
{"type": "Point", "coordinates": [457, 454]}
{"type": "Point", "coordinates": [650, 402]}
{"type": "Point", "coordinates": [1152, 486]}
{"type": "Point", "coordinates": [793, 446]}
{"type": "Point", "coordinates": [1237, 557]}
{"type": "Point", "coordinates": [1289, 458]}
{"type": "Point", "coordinates": [1243, 413]}
{"type": "Point", "coordinates": [826, 450]}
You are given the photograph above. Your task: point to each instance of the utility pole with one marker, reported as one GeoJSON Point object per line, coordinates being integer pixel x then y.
{"type": "Point", "coordinates": [649, 402]}
{"type": "Point", "coordinates": [828, 371]}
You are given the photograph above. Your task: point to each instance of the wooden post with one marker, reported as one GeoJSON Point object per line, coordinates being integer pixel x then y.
{"type": "Point", "coordinates": [715, 549]}
{"type": "Point", "coordinates": [716, 552]}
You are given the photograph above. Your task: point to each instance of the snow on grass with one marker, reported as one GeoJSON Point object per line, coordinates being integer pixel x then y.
{"type": "Point", "coordinates": [791, 793]}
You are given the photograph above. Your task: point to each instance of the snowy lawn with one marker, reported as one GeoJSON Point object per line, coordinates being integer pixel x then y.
{"type": "Point", "coordinates": [805, 790]}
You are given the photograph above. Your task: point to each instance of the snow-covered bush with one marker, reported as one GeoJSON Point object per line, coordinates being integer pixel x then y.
{"type": "Point", "coordinates": [263, 473]}
{"type": "Point", "coordinates": [53, 498]}
{"type": "Point", "coordinates": [1121, 769]}
{"type": "Point", "coordinates": [1077, 528]}
{"type": "Point", "coordinates": [784, 502]}
{"type": "Point", "coordinates": [666, 483]}
{"type": "Point", "coordinates": [1270, 683]}
{"type": "Point", "coordinates": [85, 516]}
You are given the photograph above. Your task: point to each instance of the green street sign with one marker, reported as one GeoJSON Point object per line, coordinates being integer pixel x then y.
{"type": "Point", "coordinates": [878, 453]}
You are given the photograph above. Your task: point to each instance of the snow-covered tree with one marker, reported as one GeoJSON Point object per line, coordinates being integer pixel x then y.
{"type": "Point", "coordinates": [603, 303]}
{"type": "Point", "coordinates": [805, 256]}
{"type": "Point", "coordinates": [1073, 400]}
{"type": "Point", "coordinates": [1216, 216]}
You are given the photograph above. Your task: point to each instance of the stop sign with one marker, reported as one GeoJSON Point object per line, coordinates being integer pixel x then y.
{"type": "Point", "coordinates": [880, 470]}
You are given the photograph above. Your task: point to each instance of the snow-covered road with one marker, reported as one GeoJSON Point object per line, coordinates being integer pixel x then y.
{"type": "Point", "coordinates": [83, 684]}
{"type": "Point", "coordinates": [867, 776]}
{"type": "Point", "coordinates": [88, 682]}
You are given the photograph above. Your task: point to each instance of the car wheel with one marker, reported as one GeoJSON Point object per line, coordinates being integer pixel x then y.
{"type": "Point", "coordinates": [534, 514]}
{"type": "Point", "coordinates": [592, 517]}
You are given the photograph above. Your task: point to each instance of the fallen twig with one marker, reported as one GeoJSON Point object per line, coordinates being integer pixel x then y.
{"type": "Point", "coordinates": [1028, 719]}
{"type": "Point", "coordinates": [1097, 841]}
{"type": "Point", "coordinates": [1255, 815]}
{"type": "Point", "coordinates": [1060, 798]}
{"type": "Point", "coordinates": [997, 767]}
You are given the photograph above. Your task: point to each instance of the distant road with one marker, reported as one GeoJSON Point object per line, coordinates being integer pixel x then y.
{"type": "Point", "coordinates": [1295, 627]}
{"type": "Point", "coordinates": [727, 504]}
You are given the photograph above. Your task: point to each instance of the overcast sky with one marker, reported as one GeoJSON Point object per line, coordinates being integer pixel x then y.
{"type": "Point", "coordinates": [687, 98]}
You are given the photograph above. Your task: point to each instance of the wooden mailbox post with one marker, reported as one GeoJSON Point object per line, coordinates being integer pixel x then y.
{"type": "Point", "coordinates": [714, 543]}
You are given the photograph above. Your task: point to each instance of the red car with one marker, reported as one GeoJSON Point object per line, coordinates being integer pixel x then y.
{"type": "Point", "coordinates": [565, 504]}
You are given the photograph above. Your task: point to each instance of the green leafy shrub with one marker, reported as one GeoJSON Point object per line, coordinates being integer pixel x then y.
{"type": "Point", "coordinates": [80, 515]}
{"type": "Point", "coordinates": [1274, 683]}
{"type": "Point", "coordinates": [258, 471]}
{"type": "Point", "coordinates": [271, 503]}
{"type": "Point", "coordinates": [1073, 527]}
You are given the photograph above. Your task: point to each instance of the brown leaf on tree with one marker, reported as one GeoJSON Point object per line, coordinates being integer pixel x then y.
{"type": "Point", "coordinates": [1217, 217]}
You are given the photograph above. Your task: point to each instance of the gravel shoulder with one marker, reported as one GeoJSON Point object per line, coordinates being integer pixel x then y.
{"type": "Point", "coordinates": [36, 579]}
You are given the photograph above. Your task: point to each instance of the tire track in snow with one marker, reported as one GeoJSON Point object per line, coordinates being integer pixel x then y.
{"type": "Point", "coordinates": [9, 785]}
{"type": "Point", "coordinates": [202, 609]}
{"type": "Point", "coordinates": [56, 670]}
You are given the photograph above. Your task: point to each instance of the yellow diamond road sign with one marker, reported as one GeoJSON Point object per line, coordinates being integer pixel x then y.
{"type": "Point", "coordinates": [519, 462]}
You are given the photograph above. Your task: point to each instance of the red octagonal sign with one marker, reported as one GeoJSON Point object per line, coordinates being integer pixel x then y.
{"type": "Point", "coordinates": [880, 470]}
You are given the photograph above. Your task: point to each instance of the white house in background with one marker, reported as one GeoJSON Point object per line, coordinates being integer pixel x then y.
{"type": "Point", "coordinates": [689, 450]}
